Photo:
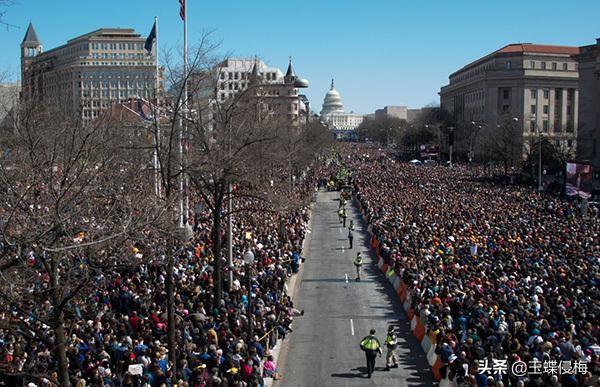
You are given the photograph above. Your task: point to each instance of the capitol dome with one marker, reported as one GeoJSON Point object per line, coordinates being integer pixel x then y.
{"type": "Point", "coordinates": [333, 102]}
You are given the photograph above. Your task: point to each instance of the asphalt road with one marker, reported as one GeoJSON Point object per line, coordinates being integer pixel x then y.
{"type": "Point", "coordinates": [324, 348]}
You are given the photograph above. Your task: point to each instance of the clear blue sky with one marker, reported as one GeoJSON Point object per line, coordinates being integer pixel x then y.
{"type": "Point", "coordinates": [381, 52]}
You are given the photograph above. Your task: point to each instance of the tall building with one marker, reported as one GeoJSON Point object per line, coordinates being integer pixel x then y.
{"type": "Point", "coordinates": [343, 125]}
{"type": "Point", "coordinates": [279, 94]}
{"type": "Point", "coordinates": [588, 133]}
{"type": "Point", "coordinates": [88, 73]}
{"type": "Point", "coordinates": [537, 84]}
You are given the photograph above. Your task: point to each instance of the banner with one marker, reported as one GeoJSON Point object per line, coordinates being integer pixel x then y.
{"type": "Point", "coordinates": [429, 151]}
{"type": "Point", "coordinates": [579, 180]}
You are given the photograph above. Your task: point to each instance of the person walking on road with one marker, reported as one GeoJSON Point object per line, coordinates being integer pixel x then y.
{"type": "Point", "coordinates": [358, 262]}
{"type": "Point", "coordinates": [340, 214]}
{"type": "Point", "coordinates": [351, 225]}
{"type": "Point", "coordinates": [344, 216]}
{"type": "Point", "coordinates": [372, 347]}
{"type": "Point", "coordinates": [391, 342]}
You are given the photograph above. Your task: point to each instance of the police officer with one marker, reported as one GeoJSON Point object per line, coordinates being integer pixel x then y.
{"type": "Point", "coordinates": [340, 214]}
{"type": "Point", "coordinates": [391, 342]}
{"type": "Point", "coordinates": [372, 347]}
{"type": "Point", "coordinates": [358, 262]}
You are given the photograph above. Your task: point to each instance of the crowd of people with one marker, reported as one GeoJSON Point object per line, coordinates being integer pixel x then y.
{"type": "Point", "coordinates": [117, 327]}
{"type": "Point", "coordinates": [497, 273]}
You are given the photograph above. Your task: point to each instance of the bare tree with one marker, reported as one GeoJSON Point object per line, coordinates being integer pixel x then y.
{"type": "Point", "coordinates": [73, 199]}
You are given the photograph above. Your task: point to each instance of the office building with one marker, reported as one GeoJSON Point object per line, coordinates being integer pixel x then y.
{"type": "Point", "coordinates": [537, 84]}
{"type": "Point", "coordinates": [279, 94]}
{"type": "Point", "coordinates": [588, 133]}
{"type": "Point", "coordinates": [88, 73]}
{"type": "Point", "coordinates": [400, 112]}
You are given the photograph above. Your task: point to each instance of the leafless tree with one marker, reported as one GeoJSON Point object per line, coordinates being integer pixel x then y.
{"type": "Point", "coordinates": [73, 202]}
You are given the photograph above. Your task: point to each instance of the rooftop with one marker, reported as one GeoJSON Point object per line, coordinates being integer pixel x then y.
{"type": "Point", "coordinates": [516, 48]}
{"type": "Point", "coordinates": [538, 49]}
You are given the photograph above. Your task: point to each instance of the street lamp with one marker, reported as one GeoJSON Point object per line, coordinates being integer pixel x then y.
{"type": "Point", "coordinates": [477, 127]}
{"type": "Point", "coordinates": [540, 185]}
{"type": "Point", "coordinates": [451, 142]}
{"type": "Point", "coordinates": [249, 261]}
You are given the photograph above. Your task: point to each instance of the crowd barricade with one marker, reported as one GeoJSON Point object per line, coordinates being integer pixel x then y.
{"type": "Point", "coordinates": [417, 326]}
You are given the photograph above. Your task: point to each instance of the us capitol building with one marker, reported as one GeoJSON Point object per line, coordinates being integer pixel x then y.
{"type": "Point", "coordinates": [343, 124]}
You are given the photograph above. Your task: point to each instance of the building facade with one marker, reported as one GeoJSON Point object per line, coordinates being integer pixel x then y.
{"type": "Point", "coordinates": [279, 94]}
{"type": "Point", "coordinates": [343, 125]}
{"type": "Point", "coordinates": [88, 73]}
{"type": "Point", "coordinates": [588, 133]}
{"type": "Point", "coordinates": [537, 84]}
{"type": "Point", "coordinates": [400, 112]}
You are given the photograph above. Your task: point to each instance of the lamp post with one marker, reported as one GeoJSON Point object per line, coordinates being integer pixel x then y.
{"type": "Point", "coordinates": [249, 261]}
{"type": "Point", "coordinates": [451, 143]}
{"type": "Point", "coordinates": [540, 185]}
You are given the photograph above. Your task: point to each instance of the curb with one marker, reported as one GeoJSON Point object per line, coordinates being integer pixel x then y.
{"type": "Point", "coordinates": [292, 288]}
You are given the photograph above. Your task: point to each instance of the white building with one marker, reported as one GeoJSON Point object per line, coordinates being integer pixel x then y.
{"type": "Point", "coordinates": [234, 75]}
{"type": "Point", "coordinates": [343, 124]}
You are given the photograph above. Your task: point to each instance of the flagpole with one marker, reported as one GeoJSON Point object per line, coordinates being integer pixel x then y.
{"type": "Point", "coordinates": [156, 115]}
{"type": "Point", "coordinates": [185, 111]}
{"type": "Point", "coordinates": [182, 191]}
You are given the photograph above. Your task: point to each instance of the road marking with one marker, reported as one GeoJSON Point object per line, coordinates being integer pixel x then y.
{"type": "Point", "coordinates": [340, 230]}
{"type": "Point", "coordinates": [342, 249]}
{"type": "Point", "coordinates": [352, 327]}
{"type": "Point", "coordinates": [346, 277]}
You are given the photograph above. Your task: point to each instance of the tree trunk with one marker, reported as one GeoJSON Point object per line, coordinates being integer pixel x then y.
{"type": "Point", "coordinates": [60, 351]}
{"type": "Point", "coordinates": [171, 315]}
{"type": "Point", "coordinates": [216, 235]}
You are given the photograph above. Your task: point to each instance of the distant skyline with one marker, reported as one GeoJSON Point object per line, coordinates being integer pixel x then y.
{"type": "Point", "coordinates": [382, 52]}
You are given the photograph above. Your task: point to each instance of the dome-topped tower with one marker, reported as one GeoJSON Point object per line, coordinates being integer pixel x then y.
{"type": "Point", "coordinates": [333, 102]}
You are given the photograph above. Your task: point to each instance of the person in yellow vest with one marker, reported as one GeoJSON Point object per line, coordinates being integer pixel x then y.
{"type": "Point", "coordinates": [340, 214]}
{"type": "Point", "coordinates": [391, 342]}
{"type": "Point", "coordinates": [358, 262]}
{"type": "Point", "coordinates": [372, 347]}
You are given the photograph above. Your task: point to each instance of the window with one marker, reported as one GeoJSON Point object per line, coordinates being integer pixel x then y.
{"type": "Point", "coordinates": [546, 94]}
{"type": "Point", "coordinates": [543, 65]}
{"type": "Point", "coordinates": [230, 75]}
{"type": "Point", "coordinates": [532, 64]}
{"type": "Point", "coordinates": [223, 75]}
{"type": "Point", "coordinates": [554, 65]}
{"type": "Point", "coordinates": [545, 126]}
{"type": "Point", "coordinates": [508, 65]}
{"type": "Point", "coordinates": [237, 75]}
{"type": "Point", "coordinates": [533, 109]}
{"type": "Point", "coordinates": [532, 126]}
{"type": "Point", "coordinates": [505, 94]}
{"type": "Point", "coordinates": [565, 66]}
{"type": "Point", "coordinates": [546, 109]}
{"type": "Point", "coordinates": [505, 108]}
{"type": "Point", "coordinates": [570, 143]}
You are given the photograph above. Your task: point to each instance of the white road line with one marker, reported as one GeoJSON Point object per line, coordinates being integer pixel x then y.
{"type": "Point", "coordinates": [352, 327]}
{"type": "Point", "coordinates": [346, 277]}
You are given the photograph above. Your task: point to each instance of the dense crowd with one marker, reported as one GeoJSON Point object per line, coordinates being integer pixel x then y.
{"type": "Point", "coordinates": [117, 328]}
{"type": "Point", "coordinates": [496, 272]}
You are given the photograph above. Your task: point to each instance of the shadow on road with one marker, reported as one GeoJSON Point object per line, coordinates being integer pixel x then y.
{"type": "Point", "coordinates": [359, 372]}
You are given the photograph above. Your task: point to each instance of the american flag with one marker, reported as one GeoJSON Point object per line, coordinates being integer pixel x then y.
{"type": "Point", "coordinates": [182, 9]}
